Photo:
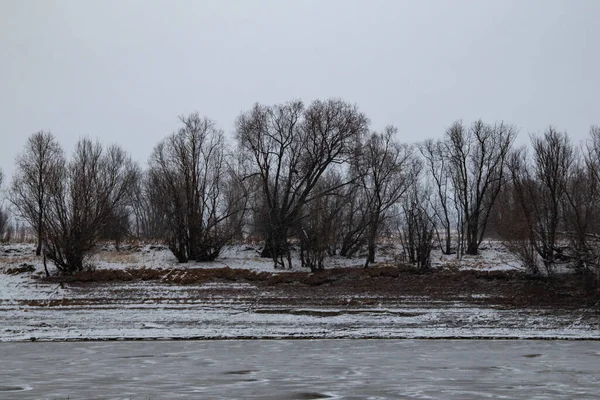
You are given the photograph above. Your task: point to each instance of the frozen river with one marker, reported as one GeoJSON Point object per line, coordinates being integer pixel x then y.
{"type": "Point", "coordinates": [301, 369]}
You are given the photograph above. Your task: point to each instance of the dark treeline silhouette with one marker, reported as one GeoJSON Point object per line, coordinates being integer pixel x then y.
{"type": "Point", "coordinates": [5, 234]}
{"type": "Point", "coordinates": [314, 178]}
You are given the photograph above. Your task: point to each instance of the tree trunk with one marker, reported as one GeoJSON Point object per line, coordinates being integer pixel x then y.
{"type": "Point", "coordinates": [38, 250]}
{"type": "Point", "coordinates": [371, 245]}
{"type": "Point", "coordinates": [370, 253]}
{"type": "Point", "coordinates": [472, 237]}
{"type": "Point", "coordinates": [273, 247]}
{"type": "Point", "coordinates": [448, 240]}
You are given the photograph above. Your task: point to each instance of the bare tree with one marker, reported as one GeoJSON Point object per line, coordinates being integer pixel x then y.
{"type": "Point", "coordinates": [317, 227]}
{"type": "Point", "coordinates": [437, 163]}
{"type": "Point", "coordinates": [197, 190]}
{"type": "Point", "coordinates": [477, 158]}
{"type": "Point", "coordinates": [41, 159]}
{"type": "Point", "coordinates": [511, 223]}
{"type": "Point", "coordinates": [417, 226]}
{"type": "Point", "coordinates": [291, 148]}
{"type": "Point", "coordinates": [147, 204]}
{"type": "Point", "coordinates": [118, 225]}
{"type": "Point", "coordinates": [354, 219]}
{"type": "Point", "coordinates": [81, 201]}
{"type": "Point", "coordinates": [3, 215]}
{"type": "Point", "coordinates": [582, 210]}
{"type": "Point", "coordinates": [541, 186]}
{"type": "Point", "coordinates": [390, 168]}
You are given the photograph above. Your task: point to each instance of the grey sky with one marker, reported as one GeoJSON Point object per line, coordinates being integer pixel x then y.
{"type": "Point", "coordinates": [122, 71]}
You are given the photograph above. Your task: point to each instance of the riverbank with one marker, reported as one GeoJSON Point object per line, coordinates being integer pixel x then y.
{"type": "Point", "coordinates": [121, 302]}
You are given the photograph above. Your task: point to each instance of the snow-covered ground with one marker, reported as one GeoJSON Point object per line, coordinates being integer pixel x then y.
{"type": "Point", "coordinates": [493, 257]}
{"type": "Point", "coordinates": [30, 309]}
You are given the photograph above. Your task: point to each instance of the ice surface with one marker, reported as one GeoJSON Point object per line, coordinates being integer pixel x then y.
{"type": "Point", "coordinates": [292, 369]}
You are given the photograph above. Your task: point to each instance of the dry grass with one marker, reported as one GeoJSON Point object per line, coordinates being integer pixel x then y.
{"type": "Point", "coordinates": [19, 259]}
{"type": "Point", "coordinates": [117, 257]}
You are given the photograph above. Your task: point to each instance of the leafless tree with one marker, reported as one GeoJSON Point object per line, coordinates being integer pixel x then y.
{"type": "Point", "coordinates": [511, 223]}
{"type": "Point", "coordinates": [317, 228]}
{"type": "Point", "coordinates": [118, 225]}
{"type": "Point", "coordinates": [81, 200]}
{"type": "Point", "coordinates": [148, 207]}
{"type": "Point", "coordinates": [37, 166]}
{"type": "Point", "coordinates": [582, 210]}
{"type": "Point", "coordinates": [197, 189]}
{"type": "Point", "coordinates": [477, 157]}
{"type": "Point", "coordinates": [354, 219]}
{"type": "Point", "coordinates": [417, 226]}
{"type": "Point", "coordinates": [291, 147]}
{"type": "Point", "coordinates": [541, 187]}
{"type": "Point", "coordinates": [3, 215]}
{"type": "Point", "coordinates": [437, 163]}
{"type": "Point", "coordinates": [390, 169]}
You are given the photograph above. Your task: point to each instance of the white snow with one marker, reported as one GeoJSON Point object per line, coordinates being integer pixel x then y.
{"type": "Point", "coordinates": [157, 310]}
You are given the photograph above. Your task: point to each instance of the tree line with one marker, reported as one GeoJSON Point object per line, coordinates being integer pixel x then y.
{"type": "Point", "coordinates": [315, 178]}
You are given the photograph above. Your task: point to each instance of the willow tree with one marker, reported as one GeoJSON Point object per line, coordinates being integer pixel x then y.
{"type": "Point", "coordinates": [389, 169]}
{"type": "Point", "coordinates": [82, 200]}
{"type": "Point", "coordinates": [290, 147]}
{"type": "Point", "coordinates": [477, 158]}
{"type": "Point", "coordinates": [197, 190]}
{"type": "Point", "coordinates": [37, 167]}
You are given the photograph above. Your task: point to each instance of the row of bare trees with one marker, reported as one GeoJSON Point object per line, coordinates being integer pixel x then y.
{"type": "Point", "coordinates": [315, 178]}
{"type": "Point", "coordinates": [309, 175]}
{"type": "Point", "coordinates": [72, 203]}
{"type": "Point", "coordinates": [548, 213]}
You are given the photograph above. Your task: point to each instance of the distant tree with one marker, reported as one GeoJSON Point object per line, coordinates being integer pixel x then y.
{"type": "Point", "coordinates": [417, 226]}
{"type": "Point", "coordinates": [582, 210]}
{"type": "Point", "coordinates": [3, 215]}
{"type": "Point", "coordinates": [118, 226]}
{"type": "Point", "coordinates": [291, 147]}
{"type": "Point", "coordinates": [477, 160]}
{"type": "Point", "coordinates": [148, 210]}
{"type": "Point", "coordinates": [82, 200]}
{"type": "Point", "coordinates": [36, 168]}
{"type": "Point", "coordinates": [317, 228]}
{"type": "Point", "coordinates": [541, 185]}
{"type": "Point", "coordinates": [389, 170]}
{"type": "Point", "coordinates": [437, 163]}
{"type": "Point", "coordinates": [197, 190]}
{"type": "Point", "coordinates": [354, 219]}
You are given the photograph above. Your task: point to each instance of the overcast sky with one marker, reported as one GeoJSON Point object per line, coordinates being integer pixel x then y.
{"type": "Point", "coordinates": [123, 71]}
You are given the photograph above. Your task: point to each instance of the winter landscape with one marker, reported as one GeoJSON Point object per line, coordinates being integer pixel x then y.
{"type": "Point", "coordinates": [143, 293]}
{"type": "Point", "coordinates": [299, 199]}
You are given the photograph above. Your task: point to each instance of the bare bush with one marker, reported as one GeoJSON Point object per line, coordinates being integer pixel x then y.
{"type": "Point", "coordinates": [511, 225]}
{"type": "Point", "coordinates": [196, 190]}
{"type": "Point", "coordinates": [417, 226]}
{"type": "Point", "coordinates": [82, 197]}
{"type": "Point", "coordinates": [541, 186]}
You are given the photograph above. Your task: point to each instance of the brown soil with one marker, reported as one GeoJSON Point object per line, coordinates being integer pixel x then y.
{"type": "Point", "coordinates": [374, 285]}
